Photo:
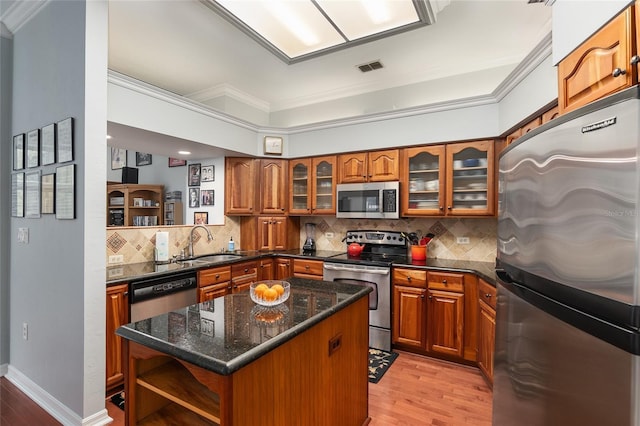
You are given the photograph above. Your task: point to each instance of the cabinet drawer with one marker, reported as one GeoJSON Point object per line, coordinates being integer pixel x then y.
{"type": "Point", "coordinates": [446, 281]}
{"type": "Point", "coordinates": [246, 268]}
{"type": "Point", "coordinates": [487, 293]}
{"type": "Point", "coordinates": [308, 267]}
{"type": "Point", "coordinates": [410, 277]}
{"type": "Point", "coordinates": [214, 276]}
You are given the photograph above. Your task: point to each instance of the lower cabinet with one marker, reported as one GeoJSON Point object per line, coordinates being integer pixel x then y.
{"type": "Point", "coordinates": [311, 269]}
{"type": "Point", "coordinates": [213, 282]}
{"type": "Point", "coordinates": [486, 328]}
{"type": "Point", "coordinates": [429, 312]}
{"type": "Point", "coordinates": [283, 268]}
{"type": "Point", "coordinates": [243, 274]}
{"type": "Point", "coordinates": [117, 315]}
{"type": "Point", "coordinates": [265, 269]}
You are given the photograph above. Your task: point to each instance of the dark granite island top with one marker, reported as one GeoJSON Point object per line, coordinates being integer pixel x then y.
{"type": "Point", "coordinates": [225, 334]}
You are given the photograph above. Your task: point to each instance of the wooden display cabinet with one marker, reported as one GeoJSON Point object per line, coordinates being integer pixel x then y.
{"type": "Point", "coordinates": [173, 213]}
{"type": "Point", "coordinates": [312, 183]}
{"type": "Point", "coordinates": [371, 166]}
{"type": "Point", "coordinates": [134, 205]}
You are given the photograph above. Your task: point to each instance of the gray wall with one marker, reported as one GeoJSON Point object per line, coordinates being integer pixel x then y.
{"type": "Point", "coordinates": [56, 281]}
{"type": "Point", "coordinates": [5, 182]}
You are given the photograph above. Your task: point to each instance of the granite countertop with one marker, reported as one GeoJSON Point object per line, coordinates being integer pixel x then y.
{"type": "Point", "coordinates": [224, 334]}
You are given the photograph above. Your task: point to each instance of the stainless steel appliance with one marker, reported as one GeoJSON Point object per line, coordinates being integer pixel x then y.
{"type": "Point", "coordinates": [371, 268]}
{"type": "Point", "coordinates": [154, 296]}
{"type": "Point", "coordinates": [374, 200]}
{"type": "Point", "coordinates": [568, 316]}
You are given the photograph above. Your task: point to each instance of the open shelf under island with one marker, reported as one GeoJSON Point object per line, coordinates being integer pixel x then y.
{"type": "Point", "coordinates": [229, 361]}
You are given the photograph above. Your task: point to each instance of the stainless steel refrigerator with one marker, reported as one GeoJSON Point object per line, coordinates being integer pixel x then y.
{"type": "Point", "coordinates": [567, 317]}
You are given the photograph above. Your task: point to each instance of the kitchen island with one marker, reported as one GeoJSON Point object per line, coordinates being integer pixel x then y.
{"type": "Point", "coordinates": [229, 361]}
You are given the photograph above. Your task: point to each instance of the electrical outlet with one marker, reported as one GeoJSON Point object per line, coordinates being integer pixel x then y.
{"type": "Point", "coordinates": [116, 258]}
{"type": "Point", "coordinates": [25, 331]}
{"type": "Point", "coordinates": [462, 240]}
{"type": "Point", "coordinates": [328, 235]}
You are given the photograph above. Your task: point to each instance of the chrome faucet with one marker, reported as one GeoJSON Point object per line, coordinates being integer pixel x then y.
{"type": "Point", "coordinates": [209, 237]}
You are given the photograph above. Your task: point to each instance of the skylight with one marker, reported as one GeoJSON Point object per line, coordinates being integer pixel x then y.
{"type": "Point", "coordinates": [295, 30]}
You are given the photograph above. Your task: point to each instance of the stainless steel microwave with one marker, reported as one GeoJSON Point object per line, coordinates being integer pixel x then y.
{"type": "Point", "coordinates": [375, 200]}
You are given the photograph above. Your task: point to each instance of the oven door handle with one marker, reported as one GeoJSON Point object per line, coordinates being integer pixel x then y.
{"type": "Point", "coordinates": [368, 271]}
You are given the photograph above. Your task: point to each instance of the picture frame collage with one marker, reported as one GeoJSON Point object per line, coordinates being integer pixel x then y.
{"type": "Point", "coordinates": [198, 196]}
{"type": "Point", "coordinates": [35, 189]}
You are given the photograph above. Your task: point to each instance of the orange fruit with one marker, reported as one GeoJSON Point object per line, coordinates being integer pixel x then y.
{"type": "Point", "coordinates": [259, 289]}
{"type": "Point", "coordinates": [270, 295]}
{"type": "Point", "coordinates": [278, 288]}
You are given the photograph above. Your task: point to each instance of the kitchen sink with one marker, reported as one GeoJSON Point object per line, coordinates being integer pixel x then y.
{"type": "Point", "coordinates": [214, 258]}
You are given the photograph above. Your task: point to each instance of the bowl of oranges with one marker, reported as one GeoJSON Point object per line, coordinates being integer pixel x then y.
{"type": "Point", "coordinates": [269, 292]}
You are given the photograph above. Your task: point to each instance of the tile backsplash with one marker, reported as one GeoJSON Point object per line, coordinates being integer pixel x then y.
{"type": "Point", "coordinates": [137, 244]}
{"type": "Point", "coordinates": [481, 233]}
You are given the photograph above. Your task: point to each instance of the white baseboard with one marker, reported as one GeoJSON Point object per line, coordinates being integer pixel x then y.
{"type": "Point", "coordinates": [4, 368]}
{"type": "Point", "coordinates": [51, 405]}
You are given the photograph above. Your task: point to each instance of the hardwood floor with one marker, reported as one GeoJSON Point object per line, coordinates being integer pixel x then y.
{"type": "Point", "coordinates": [415, 391]}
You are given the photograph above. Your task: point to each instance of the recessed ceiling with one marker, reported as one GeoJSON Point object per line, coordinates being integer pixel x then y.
{"type": "Point", "coordinates": [186, 48]}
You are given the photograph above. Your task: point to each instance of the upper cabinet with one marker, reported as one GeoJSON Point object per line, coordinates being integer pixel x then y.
{"type": "Point", "coordinates": [240, 186]}
{"type": "Point", "coordinates": [243, 178]}
{"type": "Point", "coordinates": [312, 183]}
{"type": "Point", "coordinates": [273, 186]}
{"type": "Point", "coordinates": [455, 179]}
{"type": "Point", "coordinates": [600, 66]}
{"type": "Point", "coordinates": [373, 166]}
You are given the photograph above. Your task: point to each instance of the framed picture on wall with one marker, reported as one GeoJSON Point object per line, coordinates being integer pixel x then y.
{"type": "Point", "coordinates": [194, 174]}
{"type": "Point", "coordinates": [207, 197]}
{"type": "Point", "coordinates": [208, 173]}
{"type": "Point", "coordinates": [143, 159]}
{"type": "Point", "coordinates": [48, 185]}
{"type": "Point", "coordinates": [18, 152]}
{"type": "Point", "coordinates": [118, 158]}
{"type": "Point", "coordinates": [33, 148]}
{"type": "Point", "coordinates": [64, 140]}
{"type": "Point", "coordinates": [48, 145]}
{"type": "Point", "coordinates": [194, 197]}
{"type": "Point", "coordinates": [200, 218]}
{"type": "Point", "coordinates": [176, 162]}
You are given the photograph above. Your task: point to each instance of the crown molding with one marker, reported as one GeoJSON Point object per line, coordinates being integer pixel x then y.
{"type": "Point", "coordinates": [147, 89]}
{"type": "Point", "coordinates": [231, 92]}
{"type": "Point", "coordinates": [539, 53]}
{"type": "Point", "coordinates": [20, 12]}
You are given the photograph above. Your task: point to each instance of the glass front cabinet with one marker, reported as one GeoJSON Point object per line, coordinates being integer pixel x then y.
{"type": "Point", "coordinates": [455, 179]}
{"type": "Point", "coordinates": [313, 183]}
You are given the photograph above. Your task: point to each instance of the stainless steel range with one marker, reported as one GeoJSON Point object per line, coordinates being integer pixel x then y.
{"type": "Point", "coordinates": [371, 268]}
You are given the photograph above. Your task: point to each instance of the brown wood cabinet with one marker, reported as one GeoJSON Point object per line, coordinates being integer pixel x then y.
{"type": "Point", "coordinates": [312, 185]}
{"type": "Point", "coordinates": [486, 328]}
{"type": "Point", "coordinates": [283, 268]}
{"type": "Point", "coordinates": [409, 308]}
{"type": "Point", "coordinates": [306, 268]}
{"type": "Point", "coordinates": [449, 180]}
{"type": "Point", "coordinates": [243, 274]}
{"type": "Point", "coordinates": [600, 66]}
{"type": "Point", "coordinates": [270, 233]}
{"type": "Point", "coordinates": [273, 186]}
{"type": "Point", "coordinates": [266, 269]}
{"type": "Point", "coordinates": [240, 186]}
{"type": "Point", "coordinates": [445, 313]}
{"type": "Point", "coordinates": [134, 205]}
{"type": "Point", "coordinates": [213, 283]}
{"type": "Point", "coordinates": [372, 166]}
{"type": "Point", "coordinates": [117, 315]}
{"type": "Point", "coordinates": [162, 390]}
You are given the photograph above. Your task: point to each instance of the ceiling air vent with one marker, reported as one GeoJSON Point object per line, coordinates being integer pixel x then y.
{"type": "Point", "coordinates": [375, 65]}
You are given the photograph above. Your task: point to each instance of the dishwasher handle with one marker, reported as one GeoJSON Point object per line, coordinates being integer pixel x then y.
{"type": "Point", "coordinates": [356, 268]}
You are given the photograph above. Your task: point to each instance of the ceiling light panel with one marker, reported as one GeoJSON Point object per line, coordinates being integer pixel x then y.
{"type": "Point", "coordinates": [362, 18]}
{"type": "Point", "coordinates": [294, 27]}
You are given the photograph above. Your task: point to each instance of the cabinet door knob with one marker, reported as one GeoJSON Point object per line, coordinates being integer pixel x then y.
{"type": "Point", "coordinates": [444, 282]}
{"type": "Point", "coordinates": [409, 279]}
{"type": "Point", "coordinates": [635, 59]}
{"type": "Point", "coordinates": [282, 209]}
{"type": "Point", "coordinates": [430, 297]}
{"type": "Point", "coordinates": [217, 276]}
{"type": "Point", "coordinates": [618, 72]}
{"type": "Point", "coordinates": [488, 295]}
{"type": "Point", "coordinates": [306, 267]}
{"type": "Point", "coordinates": [448, 207]}
{"type": "Point", "coordinates": [422, 296]}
